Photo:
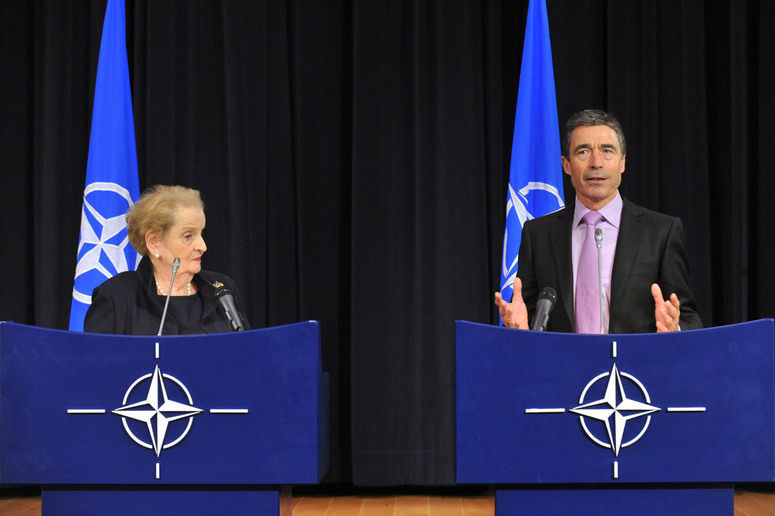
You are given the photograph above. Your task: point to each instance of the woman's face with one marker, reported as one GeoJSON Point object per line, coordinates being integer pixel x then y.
{"type": "Point", "coordinates": [183, 240]}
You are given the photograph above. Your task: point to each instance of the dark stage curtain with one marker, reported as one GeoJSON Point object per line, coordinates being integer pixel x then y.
{"type": "Point", "coordinates": [353, 157]}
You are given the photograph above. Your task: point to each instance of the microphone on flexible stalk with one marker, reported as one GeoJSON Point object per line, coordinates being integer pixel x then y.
{"type": "Point", "coordinates": [544, 306]}
{"type": "Point", "coordinates": [599, 245]}
{"type": "Point", "coordinates": [175, 266]}
{"type": "Point", "coordinates": [226, 300]}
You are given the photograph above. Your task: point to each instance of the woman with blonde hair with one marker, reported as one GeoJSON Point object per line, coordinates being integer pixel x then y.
{"type": "Point", "coordinates": [165, 224]}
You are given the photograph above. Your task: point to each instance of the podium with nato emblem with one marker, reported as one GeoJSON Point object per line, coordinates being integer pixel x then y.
{"type": "Point", "coordinates": [615, 424]}
{"type": "Point", "coordinates": [203, 424]}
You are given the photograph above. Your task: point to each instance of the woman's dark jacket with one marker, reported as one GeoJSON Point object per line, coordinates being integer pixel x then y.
{"type": "Point", "coordinates": [127, 304]}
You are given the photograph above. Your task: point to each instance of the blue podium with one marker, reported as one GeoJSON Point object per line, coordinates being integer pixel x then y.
{"type": "Point", "coordinates": [199, 424]}
{"type": "Point", "coordinates": [615, 424]}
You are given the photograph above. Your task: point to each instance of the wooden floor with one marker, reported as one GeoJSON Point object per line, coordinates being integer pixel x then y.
{"type": "Point", "coordinates": [747, 503]}
{"type": "Point", "coordinates": [394, 505]}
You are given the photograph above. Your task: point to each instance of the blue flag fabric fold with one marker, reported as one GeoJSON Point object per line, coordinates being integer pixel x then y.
{"type": "Point", "coordinates": [535, 177]}
{"type": "Point", "coordinates": [112, 183]}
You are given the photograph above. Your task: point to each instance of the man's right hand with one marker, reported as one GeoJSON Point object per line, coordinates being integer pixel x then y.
{"type": "Point", "coordinates": [514, 313]}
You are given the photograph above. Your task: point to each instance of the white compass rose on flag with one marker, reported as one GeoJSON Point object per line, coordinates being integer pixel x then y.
{"type": "Point", "coordinates": [518, 212]}
{"type": "Point", "coordinates": [103, 249]}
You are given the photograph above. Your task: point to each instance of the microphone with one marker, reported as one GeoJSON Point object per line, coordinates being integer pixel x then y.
{"type": "Point", "coordinates": [175, 266]}
{"type": "Point", "coordinates": [226, 300]}
{"type": "Point", "coordinates": [599, 244]}
{"type": "Point", "coordinates": [544, 306]}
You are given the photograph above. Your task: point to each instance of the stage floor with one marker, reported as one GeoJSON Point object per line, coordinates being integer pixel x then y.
{"type": "Point", "coordinates": [26, 502]}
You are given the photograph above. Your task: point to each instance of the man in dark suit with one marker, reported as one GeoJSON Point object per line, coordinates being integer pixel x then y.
{"type": "Point", "coordinates": [642, 252]}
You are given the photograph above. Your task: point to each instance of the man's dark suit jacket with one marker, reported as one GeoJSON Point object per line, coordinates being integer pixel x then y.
{"type": "Point", "coordinates": [650, 249]}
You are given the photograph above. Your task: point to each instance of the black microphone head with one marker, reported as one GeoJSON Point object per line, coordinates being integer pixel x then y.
{"type": "Point", "coordinates": [226, 300]}
{"type": "Point", "coordinates": [548, 293]}
{"type": "Point", "coordinates": [222, 290]}
{"type": "Point", "coordinates": [544, 306]}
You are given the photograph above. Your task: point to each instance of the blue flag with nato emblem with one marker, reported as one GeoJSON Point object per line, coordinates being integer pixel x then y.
{"type": "Point", "coordinates": [112, 185]}
{"type": "Point", "coordinates": [535, 178]}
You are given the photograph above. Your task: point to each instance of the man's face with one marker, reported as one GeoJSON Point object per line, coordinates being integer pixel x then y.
{"type": "Point", "coordinates": [595, 164]}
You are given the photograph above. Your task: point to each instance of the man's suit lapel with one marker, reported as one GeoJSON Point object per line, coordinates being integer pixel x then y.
{"type": "Point", "coordinates": [563, 262]}
{"type": "Point", "coordinates": [630, 238]}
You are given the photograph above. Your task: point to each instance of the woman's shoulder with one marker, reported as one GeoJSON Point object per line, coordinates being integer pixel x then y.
{"type": "Point", "coordinates": [122, 280]}
{"type": "Point", "coordinates": [212, 278]}
{"type": "Point", "coordinates": [209, 281]}
{"type": "Point", "coordinates": [121, 288]}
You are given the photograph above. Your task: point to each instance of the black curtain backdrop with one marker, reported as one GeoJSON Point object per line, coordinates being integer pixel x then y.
{"type": "Point", "coordinates": [353, 157]}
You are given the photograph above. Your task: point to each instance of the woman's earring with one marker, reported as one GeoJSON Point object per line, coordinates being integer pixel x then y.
{"type": "Point", "coordinates": [157, 256]}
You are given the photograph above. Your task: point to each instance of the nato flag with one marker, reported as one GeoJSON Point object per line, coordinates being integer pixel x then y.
{"type": "Point", "coordinates": [535, 180]}
{"type": "Point", "coordinates": [112, 185]}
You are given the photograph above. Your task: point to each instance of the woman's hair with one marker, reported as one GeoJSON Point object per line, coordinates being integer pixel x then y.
{"type": "Point", "coordinates": [156, 210]}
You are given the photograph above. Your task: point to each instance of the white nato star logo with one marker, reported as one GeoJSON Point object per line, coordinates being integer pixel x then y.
{"type": "Point", "coordinates": [157, 411]}
{"type": "Point", "coordinates": [101, 237]}
{"type": "Point", "coordinates": [615, 409]}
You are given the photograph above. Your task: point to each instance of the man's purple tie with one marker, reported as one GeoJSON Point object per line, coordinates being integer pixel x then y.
{"type": "Point", "coordinates": [587, 304]}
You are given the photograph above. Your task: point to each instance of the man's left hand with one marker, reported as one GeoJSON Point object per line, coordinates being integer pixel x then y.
{"type": "Point", "coordinates": [667, 313]}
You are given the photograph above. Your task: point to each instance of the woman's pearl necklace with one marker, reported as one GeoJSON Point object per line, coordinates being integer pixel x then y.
{"type": "Point", "coordinates": [189, 289]}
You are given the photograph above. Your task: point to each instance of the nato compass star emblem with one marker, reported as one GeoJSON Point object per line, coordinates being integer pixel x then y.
{"type": "Point", "coordinates": [103, 248]}
{"type": "Point", "coordinates": [624, 401]}
{"type": "Point", "coordinates": [157, 411]}
{"type": "Point", "coordinates": [152, 405]}
{"type": "Point", "coordinates": [517, 205]}
{"type": "Point", "coordinates": [614, 409]}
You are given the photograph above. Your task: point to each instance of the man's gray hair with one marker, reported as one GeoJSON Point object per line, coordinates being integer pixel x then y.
{"type": "Point", "coordinates": [592, 117]}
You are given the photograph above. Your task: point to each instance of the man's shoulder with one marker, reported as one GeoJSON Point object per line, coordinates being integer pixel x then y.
{"type": "Point", "coordinates": [647, 215]}
{"type": "Point", "coordinates": [561, 216]}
